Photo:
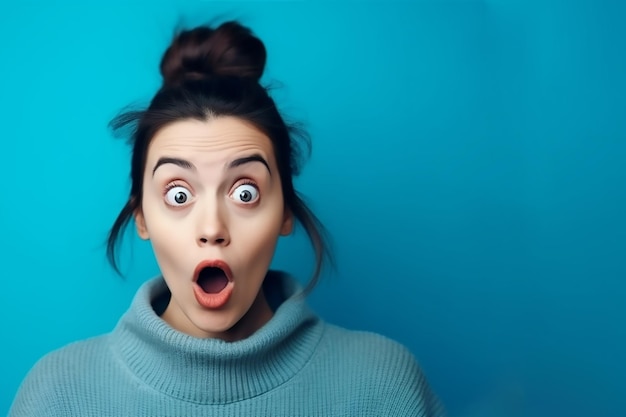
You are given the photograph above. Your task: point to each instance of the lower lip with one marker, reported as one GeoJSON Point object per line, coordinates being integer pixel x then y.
{"type": "Point", "coordinates": [213, 301]}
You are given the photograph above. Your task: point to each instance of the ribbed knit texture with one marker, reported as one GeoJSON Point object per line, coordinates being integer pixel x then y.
{"type": "Point", "coordinates": [296, 365]}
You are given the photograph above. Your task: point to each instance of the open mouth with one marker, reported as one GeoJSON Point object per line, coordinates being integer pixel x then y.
{"type": "Point", "coordinates": [213, 284]}
{"type": "Point", "coordinates": [212, 279]}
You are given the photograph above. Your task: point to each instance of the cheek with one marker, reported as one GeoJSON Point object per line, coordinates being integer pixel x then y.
{"type": "Point", "coordinates": [257, 236]}
{"type": "Point", "coordinates": [167, 235]}
{"type": "Point", "coordinates": [171, 254]}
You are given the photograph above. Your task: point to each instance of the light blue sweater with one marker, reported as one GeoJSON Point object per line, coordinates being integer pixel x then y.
{"type": "Point", "coordinates": [296, 365]}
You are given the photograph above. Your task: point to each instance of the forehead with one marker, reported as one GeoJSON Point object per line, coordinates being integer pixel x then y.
{"type": "Point", "coordinates": [217, 139]}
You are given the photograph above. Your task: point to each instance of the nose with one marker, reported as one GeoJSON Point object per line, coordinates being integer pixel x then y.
{"type": "Point", "coordinates": [212, 226]}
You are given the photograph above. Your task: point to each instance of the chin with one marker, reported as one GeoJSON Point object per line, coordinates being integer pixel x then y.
{"type": "Point", "coordinates": [216, 327]}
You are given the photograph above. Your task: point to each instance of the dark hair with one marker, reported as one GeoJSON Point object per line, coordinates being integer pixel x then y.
{"type": "Point", "coordinates": [211, 73]}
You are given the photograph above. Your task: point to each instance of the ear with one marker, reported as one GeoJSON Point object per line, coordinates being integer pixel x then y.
{"type": "Point", "coordinates": [287, 226]}
{"type": "Point", "coordinates": [140, 224]}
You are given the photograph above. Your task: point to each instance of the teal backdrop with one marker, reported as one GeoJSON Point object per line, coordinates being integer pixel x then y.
{"type": "Point", "coordinates": [469, 161]}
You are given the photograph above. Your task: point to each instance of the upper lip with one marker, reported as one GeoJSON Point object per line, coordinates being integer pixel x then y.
{"type": "Point", "coordinates": [216, 263]}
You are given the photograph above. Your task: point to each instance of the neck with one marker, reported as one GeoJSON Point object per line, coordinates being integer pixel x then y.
{"type": "Point", "coordinates": [255, 318]}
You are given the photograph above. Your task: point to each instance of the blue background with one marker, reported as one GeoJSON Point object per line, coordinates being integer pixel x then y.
{"type": "Point", "coordinates": [469, 161]}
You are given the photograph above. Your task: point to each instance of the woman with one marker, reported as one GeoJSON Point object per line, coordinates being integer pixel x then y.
{"type": "Point", "coordinates": [218, 333]}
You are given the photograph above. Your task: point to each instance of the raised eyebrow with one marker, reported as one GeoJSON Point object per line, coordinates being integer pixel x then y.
{"type": "Point", "coordinates": [247, 159]}
{"type": "Point", "coordinates": [183, 163]}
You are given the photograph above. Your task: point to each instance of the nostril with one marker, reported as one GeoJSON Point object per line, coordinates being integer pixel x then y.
{"type": "Point", "coordinates": [219, 240]}
{"type": "Point", "coordinates": [214, 241]}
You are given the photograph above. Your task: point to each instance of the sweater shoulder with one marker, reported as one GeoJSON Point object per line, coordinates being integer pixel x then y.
{"type": "Point", "coordinates": [365, 346]}
{"type": "Point", "coordinates": [44, 390]}
{"type": "Point", "coordinates": [71, 360]}
{"type": "Point", "coordinates": [383, 370]}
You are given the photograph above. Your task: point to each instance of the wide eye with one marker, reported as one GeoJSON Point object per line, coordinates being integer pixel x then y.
{"type": "Point", "coordinates": [177, 196]}
{"type": "Point", "coordinates": [246, 193]}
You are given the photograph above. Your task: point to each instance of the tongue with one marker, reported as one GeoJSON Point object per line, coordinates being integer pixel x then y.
{"type": "Point", "coordinates": [212, 280]}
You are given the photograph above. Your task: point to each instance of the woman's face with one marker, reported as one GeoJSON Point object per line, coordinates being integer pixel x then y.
{"type": "Point", "coordinates": [213, 210]}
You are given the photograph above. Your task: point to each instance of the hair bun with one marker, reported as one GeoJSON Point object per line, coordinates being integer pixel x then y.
{"type": "Point", "coordinates": [230, 50]}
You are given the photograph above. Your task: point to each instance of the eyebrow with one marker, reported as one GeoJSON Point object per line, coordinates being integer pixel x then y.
{"type": "Point", "coordinates": [183, 163]}
{"type": "Point", "coordinates": [252, 158]}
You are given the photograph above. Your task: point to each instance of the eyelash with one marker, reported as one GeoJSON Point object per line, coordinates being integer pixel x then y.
{"type": "Point", "coordinates": [247, 182]}
{"type": "Point", "coordinates": [173, 184]}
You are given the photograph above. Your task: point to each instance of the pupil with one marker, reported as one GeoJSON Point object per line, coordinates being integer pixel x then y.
{"type": "Point", "coordinates": [180, 197]}
{"type": "Point", "coordinates": [245, 196]}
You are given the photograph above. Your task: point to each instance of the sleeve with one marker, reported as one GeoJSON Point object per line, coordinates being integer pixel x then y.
{"type": "Point", "coordinates": [38, 394]}
{"type": "Point", "coordinates": [409, 393]}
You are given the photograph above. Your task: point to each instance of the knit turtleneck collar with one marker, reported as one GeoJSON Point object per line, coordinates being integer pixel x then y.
{"type": "Point", "coordinates": [212, 371]}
